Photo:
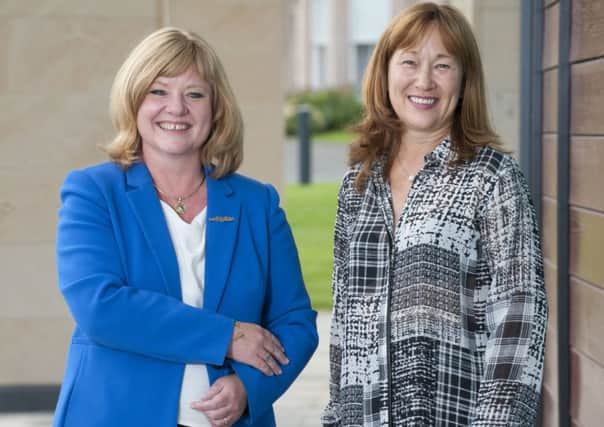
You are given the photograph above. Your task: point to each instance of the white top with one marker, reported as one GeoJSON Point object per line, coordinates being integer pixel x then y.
{"type": "Point", "coordinates": [189, 242]}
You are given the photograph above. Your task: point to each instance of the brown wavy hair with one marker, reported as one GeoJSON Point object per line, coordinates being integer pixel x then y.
{"type": "Point", "coordinates": [380, 129]}
{"type": "Point", "coordinates": [170, 52]}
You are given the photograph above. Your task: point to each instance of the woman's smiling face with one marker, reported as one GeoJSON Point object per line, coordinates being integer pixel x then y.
{"type": "Point", "coordinates": [175, 117]}
{"type": "Point", "coordinates": [424, 83]}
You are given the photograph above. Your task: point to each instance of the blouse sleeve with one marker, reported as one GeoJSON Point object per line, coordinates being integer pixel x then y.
{"type": "Point", "coordinates": [331, 414]}
{"type": "Point", "coordinates": [516, 310]}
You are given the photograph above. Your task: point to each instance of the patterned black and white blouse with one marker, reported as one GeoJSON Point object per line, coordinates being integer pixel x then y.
{"type": "Point", "coordinates": [440, 321]}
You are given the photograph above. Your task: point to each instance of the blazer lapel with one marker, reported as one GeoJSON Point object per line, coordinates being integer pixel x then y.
{"type": "Point", "coordinates": [221, 236]}
{"type": "Point", "coordinates": [147, 209]}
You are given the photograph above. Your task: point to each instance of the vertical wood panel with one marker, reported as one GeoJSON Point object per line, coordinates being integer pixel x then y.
{"type": "Point", "coordinates": [586, 391]}
{"type": "Point", "coordinates": [550, 371]}
{"type": "Point", "coordinates": [550, 166]}
{"type": "Point", "coordinates": [551, 287]}
{"type": "Point", "coordinates": [587, 98]}
{"type": "Point", "coordinates": [563, 221]}
{"type": "Point", "coordinates": [587, 172]}
{"type": "Point", "coordinates": [587, 29]}
{"type": "Point", "coordinates": [549, 232]}
{"type": "Point", "coordinates": [586, 238]}
{"type": "Point", "coordinates": [587, 319]}
{"type": "Point", "coordinates": [550, 101]}
{"type": "Point", "coordinates": [550, 408]}
{"type": "Point", "coordinates": [551, 28]}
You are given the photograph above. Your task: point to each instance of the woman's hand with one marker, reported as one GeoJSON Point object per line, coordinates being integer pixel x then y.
{"type": "Point", "coordinates": [224, 402]}
{"type": "Point", "coordinates": [257, 347]}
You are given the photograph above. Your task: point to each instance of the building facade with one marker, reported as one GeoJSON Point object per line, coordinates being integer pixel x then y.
{"type": "Point", "coordinates": [563, 153]}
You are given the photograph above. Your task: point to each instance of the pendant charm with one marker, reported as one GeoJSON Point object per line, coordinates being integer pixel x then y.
{"type": "Point", "coordinates": [180, 206]}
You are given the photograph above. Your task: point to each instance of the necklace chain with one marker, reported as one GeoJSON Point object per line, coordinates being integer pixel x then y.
{"type": "Point", "coordinates": [410, 177]}
{"type": "Point", "coordinates": [180, 206]}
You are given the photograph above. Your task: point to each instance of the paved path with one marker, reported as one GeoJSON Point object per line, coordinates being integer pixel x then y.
{"type": "Point", "coordinates": [299, 407]}
{"type": "Point", "coordinates": [328, 161]}
{"type": "Point", "coordinates": [25, 420]}
{"type": "Point", "coordinates": [302, 404]}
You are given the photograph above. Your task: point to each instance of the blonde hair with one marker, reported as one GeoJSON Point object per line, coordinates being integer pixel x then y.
{"type": "Point", "coordinates": [380, 129]}
{"type": "Point", "coordinates": [170, 52]}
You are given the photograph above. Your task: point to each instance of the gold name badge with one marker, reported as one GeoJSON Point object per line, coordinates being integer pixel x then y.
{"type": "Point", "coordinates": [222, 219]}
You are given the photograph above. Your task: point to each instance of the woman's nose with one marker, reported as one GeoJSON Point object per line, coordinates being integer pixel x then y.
{"type": "Point", "coordinates": [176, 105]}
{"type": "Point", "coordinates": [424, 79]}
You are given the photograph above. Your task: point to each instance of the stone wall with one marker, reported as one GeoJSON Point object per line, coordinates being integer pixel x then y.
{"type": "Point", "coordinates": [57, 62]}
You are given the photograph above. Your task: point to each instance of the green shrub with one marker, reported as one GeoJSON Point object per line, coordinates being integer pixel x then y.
{"type": "Point", "coordinates": [317, 120]}
{"type": "Point", "coordinates": [331, 109]}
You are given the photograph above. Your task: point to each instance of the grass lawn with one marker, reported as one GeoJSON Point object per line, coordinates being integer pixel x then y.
{"type": "Point", "coordinates": [311, 211]}
{"type": "Point", "coordinates": [336, 136]}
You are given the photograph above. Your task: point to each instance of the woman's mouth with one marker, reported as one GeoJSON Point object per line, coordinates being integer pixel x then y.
{"type": "Point", "coordinates": [422, 100]}
{"type": "Point", "coordinates": [173, 126]}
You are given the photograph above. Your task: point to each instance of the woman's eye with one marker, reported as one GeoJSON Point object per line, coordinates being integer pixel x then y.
{"type": "Point", "coordinates": [196, 95]}
{"type": "Point", "coordinates": [408, 62]}
{"type": "Point", "coordinates": [443, 66]}
{"type": "Point", "coordinates": [158, 92]}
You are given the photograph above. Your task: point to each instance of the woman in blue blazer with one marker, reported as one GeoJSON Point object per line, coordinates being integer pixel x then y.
{"type": "Point", "coordinates": [182, 276]}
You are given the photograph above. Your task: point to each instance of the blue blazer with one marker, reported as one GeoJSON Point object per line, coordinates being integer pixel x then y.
{"type": "Point", "coordinates": [119, 275]}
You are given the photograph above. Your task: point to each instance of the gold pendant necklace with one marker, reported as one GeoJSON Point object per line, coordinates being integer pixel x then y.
{"type": "Point", "coordinates": [180, 206]}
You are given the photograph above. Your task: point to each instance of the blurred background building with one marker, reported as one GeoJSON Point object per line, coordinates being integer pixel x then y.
{"type": "Point", "coordinates": [331, 41]}
{"type": "Point", "coordinates": [544, 62]}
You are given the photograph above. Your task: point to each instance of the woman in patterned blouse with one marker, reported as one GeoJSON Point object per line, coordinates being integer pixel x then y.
{"type": "Point", "coordinates": [439, 303]}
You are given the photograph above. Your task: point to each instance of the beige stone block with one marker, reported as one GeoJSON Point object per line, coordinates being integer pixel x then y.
{"type": "Point", "coordinates": [497, 28]}
{"type": "Point", "coordinates": [37, 350]}
{"type": "Point", "coordinates": [223, 23]}
{"type": "Point", "coordinates": [113, 8]}
{"type": "Point", "coordinates": [503, 107]}
{"type": "Point", "coordinates": [29, 281]}
{"type": "Point", "coordinates": [248, 37]}
{"type": "Point", "coordinates": [45, 137]}
{"type": "Point", "coordinates": [253, 83]}
{"type": "Point", "coordinates": [66, 54]}
{"type": "Point", "coordinates": [29, 200]}
{"type": "Point", "coordinates": [263, 143]}
{"type": "Point", "coordinates": [52, 132]}
{"type": "Point", "coordinates": [499, 40]}
{"type": "Point", "coordinates": [4, 35]}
